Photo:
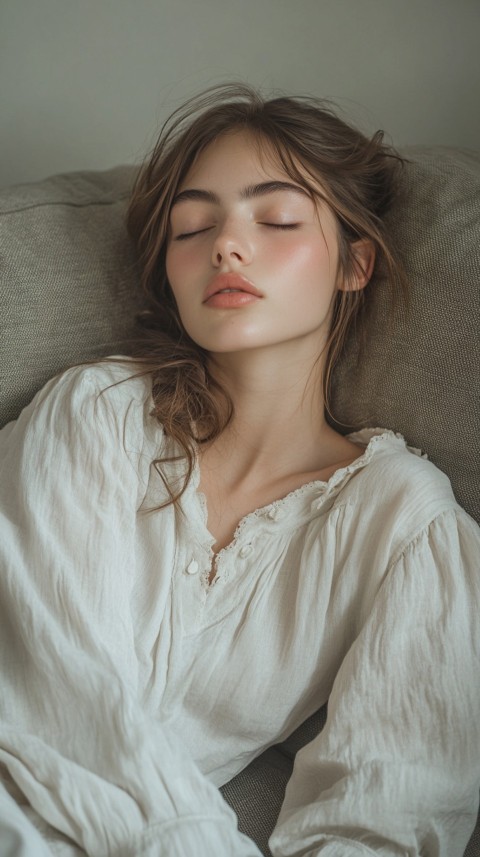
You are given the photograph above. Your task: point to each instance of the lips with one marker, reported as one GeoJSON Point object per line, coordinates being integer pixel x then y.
{"type": "Point", "coordinates": [230, 283]}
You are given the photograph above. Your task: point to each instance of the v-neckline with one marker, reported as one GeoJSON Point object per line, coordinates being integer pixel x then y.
{"type": "Point", "coordinates": [371, 435]}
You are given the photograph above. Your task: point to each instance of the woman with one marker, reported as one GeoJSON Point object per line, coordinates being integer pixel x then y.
{"type": "Point", "coordinates": [194, 560]}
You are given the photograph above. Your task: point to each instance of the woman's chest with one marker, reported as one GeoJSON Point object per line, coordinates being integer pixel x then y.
{"type": "Point", "coordinates": [225, 508]}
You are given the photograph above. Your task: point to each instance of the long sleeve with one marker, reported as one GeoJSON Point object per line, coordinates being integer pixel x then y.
{"type": "Point", "coordinates": [74, 739]}
{"type": "Point", "coordinates": [396, 769]}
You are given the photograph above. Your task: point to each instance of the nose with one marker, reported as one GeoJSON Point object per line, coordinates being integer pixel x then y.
{"type": "Point", "coordinates": [231, 244]}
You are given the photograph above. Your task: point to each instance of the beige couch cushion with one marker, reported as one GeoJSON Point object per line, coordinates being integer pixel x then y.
{"type": "Point", "coordinates": [424, 379]}
{"type": "Point", "coordinates": [67, 278]}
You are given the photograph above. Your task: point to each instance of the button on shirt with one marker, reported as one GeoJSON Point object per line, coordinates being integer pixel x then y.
{"type": "Point", "coordinates": [127, 679]}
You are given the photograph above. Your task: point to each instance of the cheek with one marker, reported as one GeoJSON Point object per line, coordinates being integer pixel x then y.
{"type": "Point", "coordinates": [175, 277]}
{"type": "Point", "coordinates": [312, 260]}
{"type": "Point", "coordinates": [173, 266]}
{"type": "Point", "coordinates": [178, 268]}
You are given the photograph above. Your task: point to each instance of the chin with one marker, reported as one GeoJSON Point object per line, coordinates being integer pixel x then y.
{"type": "Point", "coordinates": [232, 341]}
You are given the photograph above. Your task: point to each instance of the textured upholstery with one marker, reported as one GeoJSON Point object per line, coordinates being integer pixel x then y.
{"type": "Point", "coordinates": [423, 378]}
{"type": "Point", "coordinates": [69, 291]}
{"type": "Point", "coordinates": [67, 278]}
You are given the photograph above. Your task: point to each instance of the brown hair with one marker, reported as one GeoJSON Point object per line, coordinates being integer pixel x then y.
{"type": "Point", "coordinates": [358, 175]}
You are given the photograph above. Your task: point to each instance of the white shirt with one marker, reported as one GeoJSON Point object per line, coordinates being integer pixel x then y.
{"type": "Point", "coordinates": [131, 689]}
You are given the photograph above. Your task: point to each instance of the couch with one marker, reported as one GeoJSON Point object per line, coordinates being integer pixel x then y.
{"type": "Point", "coordinates": [68, 281]}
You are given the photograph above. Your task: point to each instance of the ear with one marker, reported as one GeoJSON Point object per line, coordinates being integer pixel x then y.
{"type": "Point", "coordinates": [364, 254]}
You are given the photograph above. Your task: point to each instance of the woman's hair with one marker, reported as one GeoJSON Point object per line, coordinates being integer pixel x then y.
{"type": "Point", "coordinates": [358, 178]}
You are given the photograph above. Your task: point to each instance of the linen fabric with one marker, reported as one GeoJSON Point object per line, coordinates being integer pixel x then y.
{"type": "Point", "coordinates": [131, 689]}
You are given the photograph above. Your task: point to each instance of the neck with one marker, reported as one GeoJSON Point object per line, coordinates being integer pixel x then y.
{"type": "Point", "coordinates": [277, 399]}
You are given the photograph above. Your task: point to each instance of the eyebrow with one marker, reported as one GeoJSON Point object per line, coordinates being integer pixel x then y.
{"type": "Point", "coordinates": [250, 192]}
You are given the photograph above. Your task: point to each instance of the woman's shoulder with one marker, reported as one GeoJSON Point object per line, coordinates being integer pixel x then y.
{"type": "Point", "coordinates": [396, 463]}
{"type": "Point", "coordinates": [395, 497]}
{"type": "Point", "coordinates": [116, 372]}
{"type": "Point", "coordinates": [396, 480]}
{"type": "Point", "coordinates": [116, 381]}
{"type": "Point", "coordinates": [111, 398]}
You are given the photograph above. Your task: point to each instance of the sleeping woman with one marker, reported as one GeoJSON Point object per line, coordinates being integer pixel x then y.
{"type": "Point", "coordinates": [193, 560]}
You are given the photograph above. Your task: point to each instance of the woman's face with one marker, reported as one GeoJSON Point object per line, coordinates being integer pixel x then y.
{"type": "Point", "coordinates": [252, 261]}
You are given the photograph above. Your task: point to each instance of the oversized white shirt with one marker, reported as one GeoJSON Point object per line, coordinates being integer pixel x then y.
{"type": "Point", "coordinates": [131, 689]}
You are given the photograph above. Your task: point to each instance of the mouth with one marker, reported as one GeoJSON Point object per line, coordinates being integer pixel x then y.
{"type": "Point", "coordinates": [230, 283]}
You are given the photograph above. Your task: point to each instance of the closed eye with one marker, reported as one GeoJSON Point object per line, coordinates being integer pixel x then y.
{"type": "Point", "coordinates": [184, 235]}
{"type": "Point", "coordinates": [281, 225]}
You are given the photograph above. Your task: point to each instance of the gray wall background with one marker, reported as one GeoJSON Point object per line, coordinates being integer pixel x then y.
{"type": "Point", "coordinates": [85, 84]}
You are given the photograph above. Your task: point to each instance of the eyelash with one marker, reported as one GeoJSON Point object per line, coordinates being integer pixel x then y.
{"type": "Point", "coordinates": [185, 235]}
{"type": "Point", "coordinates": [282, 225]}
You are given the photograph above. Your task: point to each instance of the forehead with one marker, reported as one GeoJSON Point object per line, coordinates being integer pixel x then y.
{"type": "Point", "coordinates": [236, 154]}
